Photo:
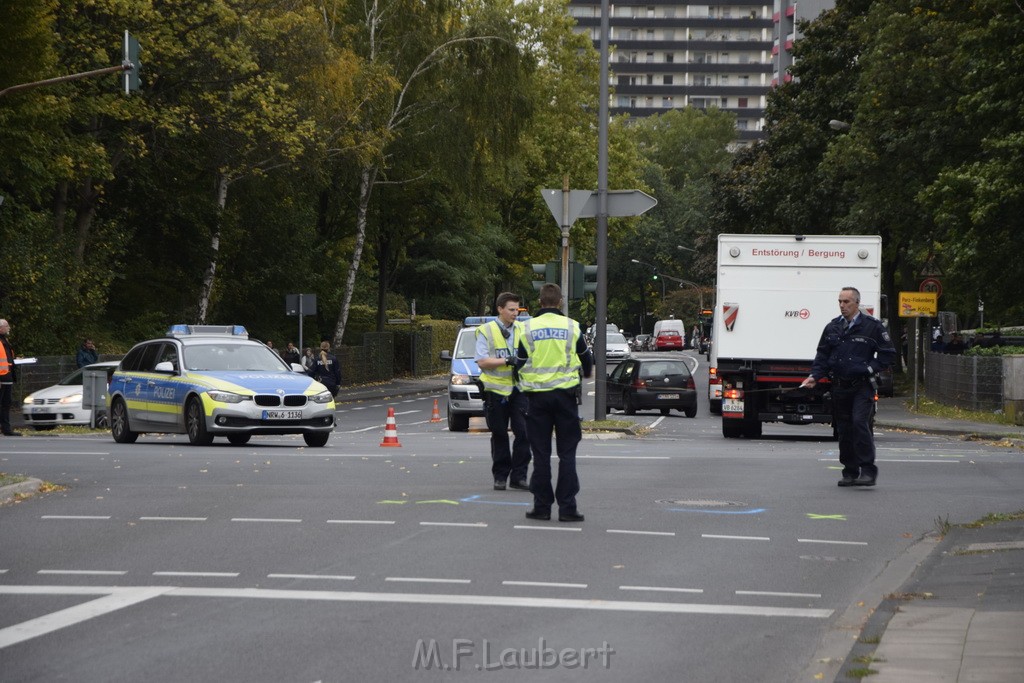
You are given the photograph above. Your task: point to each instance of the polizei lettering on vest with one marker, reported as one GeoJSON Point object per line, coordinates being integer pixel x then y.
{"type": "Point", "coordinates": [549, 333]}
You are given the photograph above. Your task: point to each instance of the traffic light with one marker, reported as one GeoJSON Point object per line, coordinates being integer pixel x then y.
{"type": "Point", "coordinates": [584, 280]}
{"type": "Point", "coordinates": [654, 275]}
{"type": "Point", "coordinates": [550, 271]}
{"type": "Point", "coordinates": [131, 56]}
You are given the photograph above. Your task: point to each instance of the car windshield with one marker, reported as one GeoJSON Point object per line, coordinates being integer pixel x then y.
{"type": "Point", "coordinates": [74, 379]}
{"type": "Point", "coordinates": [467, 345]}
{"type": "Point", "coordinates": [237, 357]}
{"type": "Point", "coordinates": [616, 338]}
{"type": "Point", "coordinates": [663, 369]}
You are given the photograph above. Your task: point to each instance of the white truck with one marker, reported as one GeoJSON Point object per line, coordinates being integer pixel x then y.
{"type": "Point", "coordinates": [775, 294]}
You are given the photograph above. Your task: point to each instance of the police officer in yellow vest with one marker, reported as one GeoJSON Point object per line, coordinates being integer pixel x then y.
{"type": "Point", "coordinates": [552, 353]}
{"type": "Point", "coordinates": [496, 343]}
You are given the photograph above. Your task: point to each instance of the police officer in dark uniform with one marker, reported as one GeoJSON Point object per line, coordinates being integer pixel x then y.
{"type": "Point", "coordinates": [853, 349]}
{"type": "Point", "coordinates": [553, 355]}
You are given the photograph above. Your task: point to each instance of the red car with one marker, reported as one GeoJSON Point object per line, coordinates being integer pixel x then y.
{"type": "Point", "coordinates": [668, 341]}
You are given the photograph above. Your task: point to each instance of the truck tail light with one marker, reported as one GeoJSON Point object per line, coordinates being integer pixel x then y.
{"type": "Point", "coordinates": [732, 393]}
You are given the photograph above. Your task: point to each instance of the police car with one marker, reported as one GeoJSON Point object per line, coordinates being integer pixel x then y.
{"type": "Point", "coordinates": [465, 389]}
{"type": "Point", "coordinates": [207, 381]}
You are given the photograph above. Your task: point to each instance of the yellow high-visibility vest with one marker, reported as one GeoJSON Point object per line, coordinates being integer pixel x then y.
{"type": "Point", "coordinates": [499, 379]}
{"type": "Point", "coordinates": [550, 340]}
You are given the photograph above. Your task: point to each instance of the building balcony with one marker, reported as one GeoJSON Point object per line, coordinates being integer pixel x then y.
{"type": "Point", "coordinates": [684, 67]}
{"type": "Point", "coordinates": [704, 45]}
{"type": "Point", "coordinates": [677, 22]}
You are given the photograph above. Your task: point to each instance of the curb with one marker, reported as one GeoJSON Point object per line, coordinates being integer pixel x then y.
{"type": "Point", "coordinates": [29, 486]}
{"type": "Point", "coordinates": [985, 436]}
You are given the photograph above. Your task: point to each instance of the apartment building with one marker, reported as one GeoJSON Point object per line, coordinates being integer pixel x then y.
{"type": "Point", "coordinates": [668, 54]}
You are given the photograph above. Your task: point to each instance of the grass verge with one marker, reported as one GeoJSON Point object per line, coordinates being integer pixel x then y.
{"type": "Point", "coordinates": [8, 479]}
{"type": "Point", "coordinates": [926, 406]}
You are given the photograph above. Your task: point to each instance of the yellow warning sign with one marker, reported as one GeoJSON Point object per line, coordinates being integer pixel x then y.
{"type": "Point", "coordinates": [919, 304]}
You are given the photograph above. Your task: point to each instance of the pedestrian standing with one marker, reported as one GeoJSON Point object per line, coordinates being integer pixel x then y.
{"type": "Point", "coordinates": [497, 342]}
{"type": "Point", "coordinates": [8, 376]}
{"type": "Point", "coordinates": [308, 360]}
{"type": "Point", "coordinates": [86, 354]}
{"type": "Point", "coordinates": [291, 354]}
{"type": "Point", "coordinates": [852, 350]}
{"type": "Point", "coordinates": [553, 353]}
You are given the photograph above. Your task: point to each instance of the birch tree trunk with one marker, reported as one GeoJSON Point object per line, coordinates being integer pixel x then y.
{"type": "Point", "coordinates": [211, 269]}
{"type": "Point", "coordinates": [366, 179]}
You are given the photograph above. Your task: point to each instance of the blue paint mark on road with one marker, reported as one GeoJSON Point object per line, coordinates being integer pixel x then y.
{"type": "Point", "coordinates": [476, 499]}
{"type": "Point", "coordinates": [753, 511]}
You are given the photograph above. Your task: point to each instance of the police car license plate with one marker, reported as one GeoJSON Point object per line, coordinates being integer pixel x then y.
{"type": "Point", "coordinates": [668, 397]}
{"type": "Point", "coordinates": [282, 414]}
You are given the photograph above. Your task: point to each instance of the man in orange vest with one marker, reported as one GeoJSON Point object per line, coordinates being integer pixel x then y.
{"type": "Point", "coordinates": [7, 378]}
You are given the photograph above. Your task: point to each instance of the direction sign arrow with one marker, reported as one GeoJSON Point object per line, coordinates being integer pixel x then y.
{"type": "Point", "coordinates": [583, 203]}
{"type": "Point", "coordinates": [621, 203]}
{"type": "Point", "coordinates": [577, 200]}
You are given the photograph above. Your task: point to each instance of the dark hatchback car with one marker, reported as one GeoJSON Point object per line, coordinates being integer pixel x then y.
{"type": "Point", "coordinates": [652, 382]}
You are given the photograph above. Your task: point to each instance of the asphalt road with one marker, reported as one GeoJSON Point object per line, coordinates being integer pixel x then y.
{"type": "Point", "coordinates": [700, 559]}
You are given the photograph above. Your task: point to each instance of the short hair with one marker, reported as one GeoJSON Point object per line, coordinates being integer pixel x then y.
{"type": "Point", "coordinates": [505, 297]}
{"type": "Point", "coordinates": [550, 295]}
{"type": "Point", "coordinates": [856, 292]}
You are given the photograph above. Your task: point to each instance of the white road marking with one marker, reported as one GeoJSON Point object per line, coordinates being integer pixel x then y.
{"type": "Point", "coordinates": [548, 528]}
{"type": "Point", "coordinates": [737, 538]}
{"type": "Point", "coordinates": [780, 595]}
{"type": "Point", "coordinates": [893, 460]}
{"type": "Point", "coordinates": [818, 540]}
{"type": "Point", "coordinates": [58, 452]}
{"type": "Point", "coordinates": [4, 571]}
{"type": "Point", "coordinates": [665, 589]}
{"type": "Point", "coordinates": [360, 521]}
{"type": "Point", "coordinates": [75, 517]}
{"type": "Point", "coordinates": [623, 457]}
{"type": "Point", "coordinates": [122, 597]}
{"type": "Point", "coordinates": [357, 431]}
{"type": "Point", "coordinates": [172, 519]}
{"type": "Point", "coordinates": [82, 572]}
{"type": "Point", "coordinates": [470, 524]}
{"type": "Point", "coordinates": [271, 520]}
{"type": "Point", "coordinates": [658, 421]}
{"type": "Point", "coordinates": [544, 584]}
{"type": "Point", "coordinates": [641, 533]}
{"type": "Point", "coordinates": [219, 575]}
{"type": "Point", "coordinates": [113, 599]}
{"type": "Point", "coordinates": [331, 577]}
{"type": "Point", "coordinates": [416, 579]}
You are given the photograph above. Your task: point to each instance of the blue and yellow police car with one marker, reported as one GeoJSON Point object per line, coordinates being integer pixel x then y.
{"type": "Point", "coordinates": [207, 381]}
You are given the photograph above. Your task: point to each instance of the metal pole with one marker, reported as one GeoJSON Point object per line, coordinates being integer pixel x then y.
{"type": "Point", "coordinates": [917, 354]}
{"type": "Point", "coordinates": [601, 312]}
{"type": "Point", "coordinates": [301, 347]}
{"type": "Point", "coordinates": [565, 246]}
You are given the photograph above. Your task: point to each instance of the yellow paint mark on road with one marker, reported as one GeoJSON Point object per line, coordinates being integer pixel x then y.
{"type": "Point", "coordinates": [392, 502]}
{"type": "Point", "coordinates": [841, 518]}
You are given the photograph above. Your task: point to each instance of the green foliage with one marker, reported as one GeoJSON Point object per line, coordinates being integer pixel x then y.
{"type": "Point", "coordinates": [995, 351]}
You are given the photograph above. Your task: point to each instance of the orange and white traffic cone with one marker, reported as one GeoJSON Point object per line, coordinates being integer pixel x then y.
{"type": "Point", "coordinates": [436, 415]}
{"type": "Point", "coordinates": [390, 431]}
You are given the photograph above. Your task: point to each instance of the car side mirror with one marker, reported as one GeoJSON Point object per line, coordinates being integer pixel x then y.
{"type": "Point", "coordinates": [446, 355]}
{"type": "Point", "coordinates": [297, 367]}
{"type": "Point", "coordinates": [165, 366]}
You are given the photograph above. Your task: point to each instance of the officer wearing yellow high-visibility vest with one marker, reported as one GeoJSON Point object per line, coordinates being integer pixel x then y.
{"type": "Point", "coordinates": [552, 354]}
{"type": "Point", "coordinates": [496, 343]}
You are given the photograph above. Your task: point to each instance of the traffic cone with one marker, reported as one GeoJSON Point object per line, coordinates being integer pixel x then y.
{"type": "Point", "coordinates": [390, 431]}
{"type": "Point", "coordinates": [436, 415]}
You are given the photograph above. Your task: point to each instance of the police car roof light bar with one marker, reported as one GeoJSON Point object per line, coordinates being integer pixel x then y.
{"type": "Point", "coordinates": [181, 330]}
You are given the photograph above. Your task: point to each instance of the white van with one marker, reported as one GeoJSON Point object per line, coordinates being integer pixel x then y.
{"type": "Point", "coordinates": [672, 326]}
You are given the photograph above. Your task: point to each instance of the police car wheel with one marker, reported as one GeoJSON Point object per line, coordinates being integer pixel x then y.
{"type": "Point", "coordinates": [316, 439]}
{"type": "Point", "coordinates": [119, 423]}
{"type": "Point", "coordinates": [195, 424]}
{"type": "Point", "coordinates": [239, 439]}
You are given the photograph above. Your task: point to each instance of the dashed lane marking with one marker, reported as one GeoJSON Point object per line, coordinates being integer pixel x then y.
{"type": "Point", "coordinates": [897, 460]}
{"type": "Point", "coordinates": [780, 594]}
{"type": "Point", "coordinates": [360, 521]}
{"type": "Point", "coordinates": [325, 577]}
{"type": "Point", "coordinates": [817, 540]}
{"type": "Point", "coordinates": [418, 579]}
{"type": "Point", "coordinates": [479, 525]}
{"type": "Point", "coordinates": [544, 584]}
{"type": "Point", "coordinates": [268, 520]}
{"type": "Point", "coordinates": [737, 538]}
{"type": "Point", "coordinates": [623, 457]}
{"type": "Point", "coordinates": [641, 533]}
{"type": "Point", "coordinates": [215, 575]}
{"type": "Point", "coordinates": [75, 517]}
{"type": "Point", "coordinates": [536, 527]}
{"type": "Point", "coordinates": [58, 452]}
{"type": "Point", "coordinates": [663, 589]}
{"type": "Point", "coordinates": [82, 572]}
{"type": "Point", "coordinates": [172, 519]}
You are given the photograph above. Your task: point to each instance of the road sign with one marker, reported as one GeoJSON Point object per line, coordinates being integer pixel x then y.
{"type": "Point", "coordinates": [621, 203]}
{"type": "Point", "coordinates": [931, 284]}
{"type": "Point", "coordinates": [577, 200]}
{"type": "Point", "coordinates": [583, 203]}
{"type": "Point", "coordinates": [919, 304]}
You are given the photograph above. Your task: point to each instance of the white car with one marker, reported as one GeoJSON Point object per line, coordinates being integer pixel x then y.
{"type": "Point", "coordinates": [616, 347]}
{"type": "Point", "coordinates": [61, 404]}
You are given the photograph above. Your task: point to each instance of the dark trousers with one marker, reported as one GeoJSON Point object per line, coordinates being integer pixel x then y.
{"type": "Point", "coordinates": [554, 411]}
{"type": "Point", "coordinates": [854, 406]}
{"type": "Point", "coordinates": [500, 411]}
{"type": "Point", "coordinates": [6, 394]}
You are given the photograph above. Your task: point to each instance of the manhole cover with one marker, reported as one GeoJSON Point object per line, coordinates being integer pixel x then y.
{"type": "Point", "coordinates": [703, 503]}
